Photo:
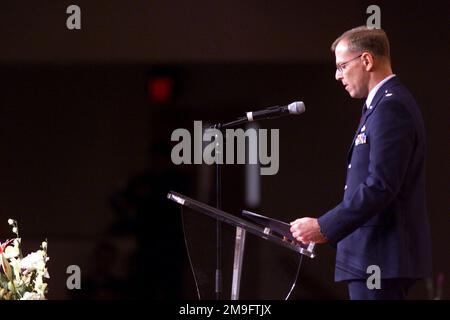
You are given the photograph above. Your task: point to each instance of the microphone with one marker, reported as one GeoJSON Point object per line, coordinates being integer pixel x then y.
{"type": "Point", "coordinates": [296, 107]}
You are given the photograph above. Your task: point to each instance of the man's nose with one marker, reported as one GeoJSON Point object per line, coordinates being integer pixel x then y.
{"type": "Point", "coordinates": [338, 75]}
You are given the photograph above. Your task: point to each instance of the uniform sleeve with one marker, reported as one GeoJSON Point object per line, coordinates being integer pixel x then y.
{"type": "Point", "coordinates": [391, 144]}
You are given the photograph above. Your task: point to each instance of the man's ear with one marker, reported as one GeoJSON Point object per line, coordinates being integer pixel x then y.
{"type": "Point", "coordinates": [368, 61]}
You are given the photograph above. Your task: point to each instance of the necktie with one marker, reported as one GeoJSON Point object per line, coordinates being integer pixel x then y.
{"type": "Point", "coordinates": [364, 109]}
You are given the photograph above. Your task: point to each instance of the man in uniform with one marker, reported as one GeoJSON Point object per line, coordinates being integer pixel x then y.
{"type": "Point", "coordinates": [381, 223]}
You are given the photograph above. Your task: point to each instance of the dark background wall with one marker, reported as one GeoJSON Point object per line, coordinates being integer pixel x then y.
{"type": "Point", "coordinates": [84, 151]}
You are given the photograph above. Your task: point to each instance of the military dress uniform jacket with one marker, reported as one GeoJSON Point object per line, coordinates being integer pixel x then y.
{"type": "Point", "coordinates": [382, 219]}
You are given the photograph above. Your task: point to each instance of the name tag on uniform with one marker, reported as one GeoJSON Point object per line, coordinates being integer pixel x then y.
{"type": "Point", "coordinates": [360, 139]}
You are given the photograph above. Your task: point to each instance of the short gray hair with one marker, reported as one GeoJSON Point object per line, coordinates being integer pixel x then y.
{"type": "Point", "coordinates": [362, 38]}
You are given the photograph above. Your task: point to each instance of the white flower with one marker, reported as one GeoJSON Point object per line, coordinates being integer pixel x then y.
{"type": "Point", "coordinates": [22, 278]}
{"type": "Point", "coordinates": [11, 252]}
{"type": "Point", "coordinates": [46, 274]}
{"type": "Point", "coordinates": [32, 296]}
{"type": "Point", "coordinates": [34, 261]}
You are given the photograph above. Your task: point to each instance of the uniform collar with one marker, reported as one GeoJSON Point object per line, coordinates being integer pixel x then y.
{"type": "Point", "coordinates": [375, 89]}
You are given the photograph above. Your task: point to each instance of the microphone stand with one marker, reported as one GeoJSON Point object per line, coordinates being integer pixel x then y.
{"type": "Point", "coordinates": [218, 274]}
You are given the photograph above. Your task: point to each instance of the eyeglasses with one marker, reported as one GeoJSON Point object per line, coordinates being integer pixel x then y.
{"type": "Point", "coordinates": [341, 67]}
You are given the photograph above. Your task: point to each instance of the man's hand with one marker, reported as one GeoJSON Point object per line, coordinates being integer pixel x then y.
{"type": "Point", "coordinates": [307, 230]}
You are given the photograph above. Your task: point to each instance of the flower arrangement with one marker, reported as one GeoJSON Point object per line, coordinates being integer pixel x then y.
{"type": "Point", "coordinates": [22, 278]}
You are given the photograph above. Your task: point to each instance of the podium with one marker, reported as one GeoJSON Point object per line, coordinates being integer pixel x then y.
{"type": "Point", "coordinates": [242, 227]}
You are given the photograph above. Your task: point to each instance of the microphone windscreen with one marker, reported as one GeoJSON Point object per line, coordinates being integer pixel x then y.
{"type": "Point", "coordinates": [296, 107]}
